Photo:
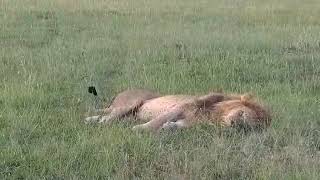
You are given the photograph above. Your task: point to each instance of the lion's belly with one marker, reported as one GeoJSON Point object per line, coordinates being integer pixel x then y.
{"type": "Point", "coordinates": [154, 107]}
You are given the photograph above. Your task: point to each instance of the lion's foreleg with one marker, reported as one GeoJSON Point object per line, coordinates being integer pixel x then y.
{"type": "Point", "coordinates": [156, 123]}
{"type": "Point", "coordinates": [180, 124]}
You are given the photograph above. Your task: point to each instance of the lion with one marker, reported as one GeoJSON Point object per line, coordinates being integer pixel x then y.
{"type": "Point", "coordinates": [183, 111]}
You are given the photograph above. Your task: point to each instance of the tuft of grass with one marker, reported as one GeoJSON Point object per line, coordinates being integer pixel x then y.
{"type": "Point", "coordinates": [51, 51]}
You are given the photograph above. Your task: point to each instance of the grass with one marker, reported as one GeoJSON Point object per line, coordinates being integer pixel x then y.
{"type": "Point", "coordinates": [51, 51]}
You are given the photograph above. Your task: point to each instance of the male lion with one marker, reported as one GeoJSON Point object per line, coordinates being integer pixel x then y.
{"type": "Point", "coordinates": [182, 111]}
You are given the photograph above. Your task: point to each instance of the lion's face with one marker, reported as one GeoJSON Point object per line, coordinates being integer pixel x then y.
{"type": "Point", "coordinates": [242, 114]}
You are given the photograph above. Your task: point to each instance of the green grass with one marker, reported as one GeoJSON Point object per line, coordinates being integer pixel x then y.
{"type": "Point", "coordinates": [51, 51]}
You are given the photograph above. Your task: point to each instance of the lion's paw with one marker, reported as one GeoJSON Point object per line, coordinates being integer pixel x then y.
{"type": "Point", "coordinates": [170, 126]}
{"type": "Point", "coordinates": [92, 119]}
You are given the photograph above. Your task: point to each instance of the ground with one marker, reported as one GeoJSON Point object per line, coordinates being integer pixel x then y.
{"type": "Point", "coordinates": [51, 51]}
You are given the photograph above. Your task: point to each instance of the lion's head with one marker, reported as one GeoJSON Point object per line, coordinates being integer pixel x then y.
{"type": "Point", "coordinates": [242, 112]}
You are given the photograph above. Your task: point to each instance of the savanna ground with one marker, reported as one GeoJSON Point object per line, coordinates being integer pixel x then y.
{"type": "Point", "coordinates": [51, 51]}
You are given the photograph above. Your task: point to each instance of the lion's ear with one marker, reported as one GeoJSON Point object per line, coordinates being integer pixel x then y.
{"type": "Point", "coordinates": [247, 97]}
{"type": "Point", "coordinates": [209, 100]}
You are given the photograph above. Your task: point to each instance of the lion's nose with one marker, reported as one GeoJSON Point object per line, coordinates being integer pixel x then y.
{"type": "Point", "coordinates": [232, 123]}
{"type": "Point", "coordinates": [241, 113]}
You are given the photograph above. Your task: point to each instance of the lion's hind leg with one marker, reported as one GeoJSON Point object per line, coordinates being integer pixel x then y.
{"type": "Point", "coordinates": [103, 111]}
{"type": "Point", "coordinates": [100, 113]}
{"type": "Point", "coordinates": [114, 114]}
{"type": "Point", "coordinates": [92, 119]}
{"type": "Point", "coordinates": [121, 111]}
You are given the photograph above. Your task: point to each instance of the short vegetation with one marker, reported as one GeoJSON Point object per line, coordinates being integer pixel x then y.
{"type": "Point", "coordinates": [51, 51]}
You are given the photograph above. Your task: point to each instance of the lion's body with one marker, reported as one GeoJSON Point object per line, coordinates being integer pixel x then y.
{"type": "Point", "coordinates": [132, 96]}
{"type": "Point", "coordinates": [153, 108]}
{"type": "Point", "coordinates": [181, 111]}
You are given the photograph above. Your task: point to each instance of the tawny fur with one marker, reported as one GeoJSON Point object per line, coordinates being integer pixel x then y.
{"type": "Point", "coordinates": [182, 111]}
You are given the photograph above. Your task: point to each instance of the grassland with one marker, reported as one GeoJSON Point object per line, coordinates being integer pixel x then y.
{"type": "Point", "coordinates": [52, 50]}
